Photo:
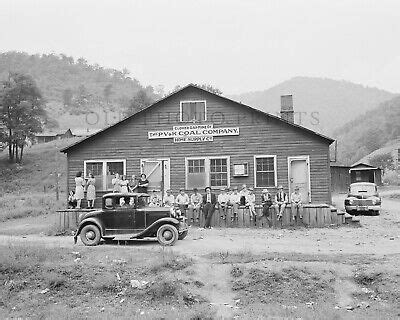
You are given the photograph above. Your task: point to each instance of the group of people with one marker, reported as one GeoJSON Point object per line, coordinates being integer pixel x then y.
{"type": "Point", "coordinates": [196, 202]}
{"type": "Point", "coordinates": [231, 198]}
{"type": "Point", "coordinates": [119, 183]}
{"type": "Point", "coordinates": [75, 197]}
{"type": "Point", "coordinates": [122, 184]}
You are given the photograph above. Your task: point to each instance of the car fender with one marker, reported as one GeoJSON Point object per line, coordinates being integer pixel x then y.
{"type": "Point", "coordinates": [91, 220]}
{"type": "Point", "coordinates": [156, 224]}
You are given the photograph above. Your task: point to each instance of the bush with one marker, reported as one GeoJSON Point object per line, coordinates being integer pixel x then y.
{"type": "Point", "coordinates": [391, 177]}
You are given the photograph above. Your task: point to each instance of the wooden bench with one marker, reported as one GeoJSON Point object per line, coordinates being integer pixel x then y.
{"type": "Point", "coordinates": [314, 215]}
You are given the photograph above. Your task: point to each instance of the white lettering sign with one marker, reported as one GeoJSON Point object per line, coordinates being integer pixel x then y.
{"type": "Point", "coordinates": [197, 132]}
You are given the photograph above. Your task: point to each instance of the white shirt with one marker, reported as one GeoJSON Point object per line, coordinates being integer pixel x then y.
{"type": "Point", "coordinates": [223, 198]}
{"type": "Point", "coordinates": [169, 200]}
{"type": "Point", "coordinates": [182, 199]}
{"type": "Point", "coordinates": [234, 198]}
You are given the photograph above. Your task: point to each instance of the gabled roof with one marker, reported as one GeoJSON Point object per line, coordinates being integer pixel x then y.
{"type": "Point", "coordinates": [327, 139]}
{"type": "Point", "coordinates": [362, 166]}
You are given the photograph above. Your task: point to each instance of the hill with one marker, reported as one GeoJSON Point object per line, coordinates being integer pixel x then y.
{"type": "Point", "coordinates": [78, 94]}
{"type": "Point", "coordinates": [320, 104]}
{"type": "Point", "coordinates": [378, 128]}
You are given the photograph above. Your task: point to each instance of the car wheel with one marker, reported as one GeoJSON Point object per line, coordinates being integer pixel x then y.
{"type": "Point", "coordinates": [167, 235]}
{"type": "Point", "coordinates": [183, 235]}
{"type": "Point", "coordinates": [90, 235]}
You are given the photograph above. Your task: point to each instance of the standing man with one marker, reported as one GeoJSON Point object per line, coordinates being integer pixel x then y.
{"type": "Point", "coordinates": [195, 204]}
{"type": "Point", "coordinates": [281, 200]}
{"type": "Point", "coordinates": [209, 202]}
{"type": "Point", "coordinates": [297, 205]}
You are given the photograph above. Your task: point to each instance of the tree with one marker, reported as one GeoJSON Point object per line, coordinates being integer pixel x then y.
{"type": "Point", "coordinates": [67, 97]}
{"type": "Point", "coordinates": [141, 100]}
{"type": "Point", "coordinates": [384, 161]}
{"type": "Point", "coordinates": [210, 88]}
{"type": "Point", "coordinates": [21, 112]}
{"type": "Point", "coordinates": [107, 92]}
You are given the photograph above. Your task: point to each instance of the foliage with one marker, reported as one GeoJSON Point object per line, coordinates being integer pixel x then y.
{"type": "Point", "coordinates": [384, 161]}
{"type": "Point", "coordinates": [207, 87]}
{"type": "Point", "coordinates": [76, 87]}
{"type": "Point", "coordinates": [140, 101]}
{"type": "Point", "coordinates": [21, 112]}
{"type": "Point", "coordinates": [370, 132]}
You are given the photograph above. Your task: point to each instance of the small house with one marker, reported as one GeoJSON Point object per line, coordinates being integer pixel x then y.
{"type": "Point", "coordinates": [363, 172]}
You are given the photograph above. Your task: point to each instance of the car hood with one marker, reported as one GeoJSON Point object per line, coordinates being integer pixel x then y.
{"type": "Point", "coordinates": [362, 196]}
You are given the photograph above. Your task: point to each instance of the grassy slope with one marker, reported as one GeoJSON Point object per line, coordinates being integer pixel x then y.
{"type": "Point", "coordinates": [29, 189]}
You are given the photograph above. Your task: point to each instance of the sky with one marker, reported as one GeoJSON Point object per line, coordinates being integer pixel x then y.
{"type": "Point", "coordinates": [237, 46]}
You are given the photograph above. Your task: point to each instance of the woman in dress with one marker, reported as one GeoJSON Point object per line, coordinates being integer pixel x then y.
{"type": "Point", "coordinates": [124, 185]}
{"type": "Point", "coordinates": [91, 191]}
{"type": "Point", "coordinates": [116, 183]}
{"type": "Point", "coordinates": [79, 189]}
{"type": "Point", "coordinates": [143, 183]}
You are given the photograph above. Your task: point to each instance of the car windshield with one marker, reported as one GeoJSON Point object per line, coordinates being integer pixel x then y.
{"type": "Point", "coordinates": [363, 189]}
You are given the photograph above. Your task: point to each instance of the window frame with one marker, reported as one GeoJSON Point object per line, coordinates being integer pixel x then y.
{"type": "Point", "coordinates": [192, 101]}
{"type": "Point", "coordinates": [275, 170]}
{"type": "Point", "coordinates": [104, 173]}
{"type": "Point", "coordinates": [208, 170]}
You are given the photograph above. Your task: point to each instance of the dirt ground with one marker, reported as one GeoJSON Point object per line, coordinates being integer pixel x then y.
{"type": "Point", "coordinates": [228, 261]}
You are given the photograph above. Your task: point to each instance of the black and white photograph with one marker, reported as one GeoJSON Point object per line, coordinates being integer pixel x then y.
{"type": "Point", "coordinates": [199, 159]}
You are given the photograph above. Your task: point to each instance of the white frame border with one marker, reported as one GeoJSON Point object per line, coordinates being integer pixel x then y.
{"type": "Point", "coordinates": [166, 186]}
{"type": "Point", "coordinates": [275, 171]}
{"type": "Point", "coordinates": [191, 101]}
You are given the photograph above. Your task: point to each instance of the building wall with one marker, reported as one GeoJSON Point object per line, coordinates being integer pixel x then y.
{"type": "Point", "coordinates": [259, 135]}
{"type": "Point", "coordinates": [340, 179]}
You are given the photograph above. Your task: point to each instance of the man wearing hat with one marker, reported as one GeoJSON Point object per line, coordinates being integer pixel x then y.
{"type": "Point", "coordinates": [209, 202]}
{"type": "Point", "coordinates": [297, 206]}
{"type": "Point", "coordinates": [251, 203]}
{"type": "Point", "coordinates": [281, 200]}
{"type": "Point", "coordinates": [266, 202]}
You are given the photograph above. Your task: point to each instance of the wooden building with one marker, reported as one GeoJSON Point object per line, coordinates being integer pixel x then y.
{"type": "Point", "coordinates": [340, 178]}
{"type": "Point", "coordinates": [195, 138]}
{"type": "Point", "coordinates": [363, 172]}
{"type": "Point", "coordinates": [48, 136]}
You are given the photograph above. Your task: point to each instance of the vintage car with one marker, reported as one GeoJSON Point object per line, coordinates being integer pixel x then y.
{"type": "Point", "coordinates": [363, 197]}
{"type": "Point", "coordinates": [129, 216]}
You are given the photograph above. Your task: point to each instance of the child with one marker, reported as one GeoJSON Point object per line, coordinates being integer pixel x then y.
{"type": "Point", "coordinates": [234, 201]}
{"type": "Point", "coordinates": [71, 200]}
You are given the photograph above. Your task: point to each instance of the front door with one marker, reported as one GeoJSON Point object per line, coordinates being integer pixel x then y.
{"type": "Point", "coordinates": [158, 174]}
{"type": "Point", "coordinates": [299, 176]}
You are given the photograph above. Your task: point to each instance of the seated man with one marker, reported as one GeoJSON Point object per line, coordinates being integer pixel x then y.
{"type": "Point", "coordinates": [251, 203]}
{"type": "Point", "coordinates": [182, 200]}
{"type": "Point", "coordinates": [234, 201]}
{"type": "Point", "coordinates": [297, 205]}
{"type": "Point", "coordinates": [223, 199]}
{"type": "Point", "coordinates": [169, 199]}
{"type": "Point", "coordinates": [195, 204]}
{"type": "Point", "coordinates": [281, 200]}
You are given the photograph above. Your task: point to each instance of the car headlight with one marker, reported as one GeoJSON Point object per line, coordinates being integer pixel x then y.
{"type": "Point", "coordinates": [351, 201]}
{"type": "Point", "coordinates": [373, 202]}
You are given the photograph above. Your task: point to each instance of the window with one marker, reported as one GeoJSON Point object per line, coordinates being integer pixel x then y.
{"type": "Point", "coordinates": [193, 111]}
{"type": "Point", "coordinates": [209, 171]}
{"type": "Point", "coordinates": [265, 171]}
{"type": "Point", "coordinates": [103, 171]}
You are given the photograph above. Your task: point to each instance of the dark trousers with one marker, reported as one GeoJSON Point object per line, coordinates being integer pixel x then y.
{"type": "Point", "coordinates": [208, 211]}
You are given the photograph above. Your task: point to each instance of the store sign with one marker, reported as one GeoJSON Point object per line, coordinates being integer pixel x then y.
{"type": "Point", "coordinates": [194, 133]}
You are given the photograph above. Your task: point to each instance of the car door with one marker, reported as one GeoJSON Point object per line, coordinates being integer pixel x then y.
{"type": "Point", "coordinates": [117, 219]}
{"type": "Point", "coordinates": [140, 213]}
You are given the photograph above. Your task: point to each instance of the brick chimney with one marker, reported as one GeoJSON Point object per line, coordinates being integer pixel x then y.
{"type": "Point", "coordinates": [287, 112]}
